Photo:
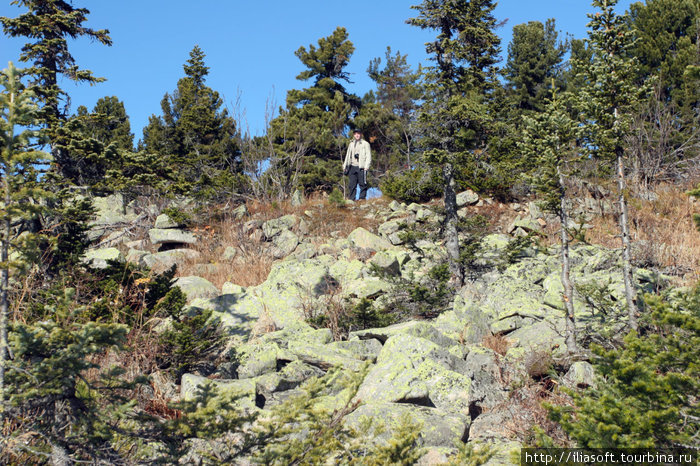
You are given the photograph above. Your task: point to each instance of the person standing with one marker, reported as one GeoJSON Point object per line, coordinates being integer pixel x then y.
{"type": "Point", "coordinates": [357, 160]}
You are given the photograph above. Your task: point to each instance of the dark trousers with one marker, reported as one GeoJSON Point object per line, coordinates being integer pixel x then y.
{"type": "Point", "coordinates": [355, 177]}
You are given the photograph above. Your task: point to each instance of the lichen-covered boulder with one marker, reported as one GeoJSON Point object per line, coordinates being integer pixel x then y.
{"type": "Point", "coordinates": [196, 287]}
{"type": "Point", "coordinates": [163, 260]}
{"type": "Point", "coordinates": [387, 261]}
{"type": "Point", "coordinates": [164, 221]}
{"type": "Point", "coordinates": [257, 359]}
{"type": "Point", "coordinates": [345, 272]}
{"type": "Point", "coordinates": [274, 227]}
{"type": "Point", "coordinates": [284, 244]}
{"type": "Point", "coordinates": [245, 388]}
{"type": "Point", "coordinates": [581, 374]}
{"type": "Point", "coordinates": [415, 370]}
{"type": "Point", "coordinates": [415, 328]}
{"type": "Point", "coordinates": [437, 428]}
{"type": "Point", "coordinates": [487, 388]}
{"type": "Point", "coordinates": [369, 287]}
{"type": "Point", "coordinates": [361, 238]}
{"type": "Point", "coordinates": [467, 197]}
{"type": "Point", "coordinates": [171, 236]}
{"type": "Point", "coordinates": [98, 258]}
{"type": "Point", "coordinates": [111, 210]}
{"type": "Point", "coordinates": [325, 356]}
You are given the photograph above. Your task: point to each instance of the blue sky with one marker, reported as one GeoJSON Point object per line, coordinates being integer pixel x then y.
{"type": "Point", "coordinates": [250, 45]}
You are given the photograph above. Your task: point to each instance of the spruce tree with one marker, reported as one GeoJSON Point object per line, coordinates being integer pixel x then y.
{"type": "Point", "coordinates": [646, 396]}
{"type": "Point", "coordinates": [309, 135]}
{"type": "Point", "coordinates": [108, 123]}
{"type": "Point", "coordinates": [535, 57]}
{"type": "Point", "coordinates": [668, 33]}
{"type": "Point", "coordinates": [49, 24]}
{"type": "Point", "coordinates": [666, 136]}
{"type": "Point", "coordinates": [454, 120]}
{"type": "Point", "coordinates": [17, 111]}
{"type": "Point", "coordinates": [195, 136]}
{"type": "Point", "coordinates": [547, 139]}
{"type": "Point", "coordinates": [387, 117]}
{"type": "Point", "coordinates": [608, 97]}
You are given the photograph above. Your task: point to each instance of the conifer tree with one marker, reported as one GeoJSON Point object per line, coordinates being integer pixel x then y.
{"type": "Point", "coordinates": [668, 32]}
{"type": "Point", "coordinates": [607, 99]}
{"type": "Point", "coordinates": [17, 110]}
{"type": "Point", "coordinates": [535, 57]}
{"type": "Point", "coordinates": [387, 117]}
{"type": "Point", "coordinates": [647, 394]}
{"type": "Point", "coordinates": [454, 119]}
{"type": "Point", "coordinates": [196, 136]}
{"type": "Point", "coordinates": [309, 135]}
{"type": "Point", "coordinates": [49, 24]}
{"type": "Point", "coordinates": [547, 138]}
{"type": "Point", "coordinates": [666, 137]}
{"type": "Point", "coordinates": [108, 123]}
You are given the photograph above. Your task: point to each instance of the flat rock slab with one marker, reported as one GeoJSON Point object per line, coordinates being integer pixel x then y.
{"type": "Point", "coordinates": [97, 258]}
{"type": "Point", "coordinates": [437, 428]}
{"type": "Point", "coordinates": [196, 287]}
{"type": "Point", "coordinates": [166, 259]}
{"type": "Point", "coordinates": [361, 238]}
{"type": "Point", "coordinates": [171, 236]}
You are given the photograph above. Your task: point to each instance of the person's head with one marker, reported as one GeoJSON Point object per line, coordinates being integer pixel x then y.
{"type": "Point", "coordinates": [357, 134]}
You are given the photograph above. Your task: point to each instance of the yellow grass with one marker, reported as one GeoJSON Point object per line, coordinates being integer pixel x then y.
{"type": "Point", "coordinates": [253, 262]}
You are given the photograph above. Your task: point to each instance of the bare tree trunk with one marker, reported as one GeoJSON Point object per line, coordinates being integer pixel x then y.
{"type": "Point", "coordinates": [451, 233]}
{"type": "Point", "coordinates": [565, 273]}
{"type": "Point", "coordinates": [626, 256]}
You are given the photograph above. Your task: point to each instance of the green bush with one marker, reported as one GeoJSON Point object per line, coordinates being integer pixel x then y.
{"type": "Point", "coordinates": [193, 339]}
{"type": "Point", "coordinates": [646, 396]}
{"type": "Point", "coordinates": [418, 185]}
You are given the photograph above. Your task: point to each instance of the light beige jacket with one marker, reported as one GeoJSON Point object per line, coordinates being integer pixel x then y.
{"type": "Point", "coordinates": [358, 147]}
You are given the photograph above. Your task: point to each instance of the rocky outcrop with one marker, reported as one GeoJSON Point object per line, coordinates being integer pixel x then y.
{"type": "Point", "coordinates": [446, 373]}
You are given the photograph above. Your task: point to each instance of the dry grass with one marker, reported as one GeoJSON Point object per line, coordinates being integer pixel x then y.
{"type": "Point", "coordinates": [253, 260]}
{"type": "Point", "coordinates": [527, 411]}
{"type": "Point", "coordinates": [498, 343]}
{"type": "Point", "coordinates": [662, 229]}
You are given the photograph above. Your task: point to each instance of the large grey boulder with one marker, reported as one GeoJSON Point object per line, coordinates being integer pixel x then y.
{"type": "Point", "coordinates": [414, 328]}
{"type": "Point", "coordinates": [417, 371]}
{"type": "Point", "coordinates": [325, 356]}
{"type": "Point", "coordinates": [111, 210]}
{"type": "Point", "coordinates": [290, 285]}
{"type": "Point", "coordinates": [370, 287]}
{"type": "Point", "coordinates": [284, 244]}
{"type": "Point", "coordinates": [274, 227]}
{"type": "Point", "coordinates": [361, 238]}
{"type": "Point", "coordinates": [581, 374]}
{"type": "Point", "coordinates": [166, 259]}
{"type": "Point", "coordinates": [98, 258]}
{"type": "Point", "coordinates": [164, 221]}
{"type": "Point", "coordinates": [526, 224]}
{"type": "Point", "coordinates": [245, 389]}
{"type": "Point", "coordinates": [171, 236]}
{"type": "Point", "coordinates": [297, 198]}
{"type": "Point", "coordinates": [257, 359]}
{"type": "Point", "coordinates": [467, 197]}
{"type": "Point", "coordinates": [487, 389]}
{"type": "Point", "coordinates": [196, 287]}
{"type": "Point", "coordinates": [437, 428]}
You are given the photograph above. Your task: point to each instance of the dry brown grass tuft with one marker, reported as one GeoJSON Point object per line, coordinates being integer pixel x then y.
{"type": "Point", "coordinates": [527, 411]}
{"type": "Point", "coordinates": [498, 343]}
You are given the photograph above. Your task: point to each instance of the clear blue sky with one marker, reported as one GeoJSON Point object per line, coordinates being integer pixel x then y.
{"type": "Point", "coordinates": [250, 45]}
